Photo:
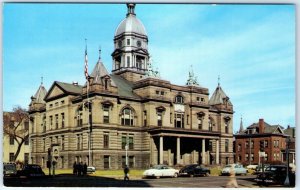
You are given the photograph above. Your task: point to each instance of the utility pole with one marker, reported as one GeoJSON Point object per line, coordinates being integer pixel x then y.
{"type": "Point", "coordinates": [287, 180]}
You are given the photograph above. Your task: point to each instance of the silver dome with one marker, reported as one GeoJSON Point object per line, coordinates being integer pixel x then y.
{"type": "Point", "coordinates": [131, 24]}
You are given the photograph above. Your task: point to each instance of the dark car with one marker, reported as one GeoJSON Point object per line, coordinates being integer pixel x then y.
{"type": "Point", "coordinates": [275, 174]}
{"type": "Point", "coordinates": [9, 169]}
{"type": "Point", "coordinates": [31, 170]}
{"type": "Point", "coordinates": [194, 170]}
{"type": "Point", "coordinates": [259, 168]}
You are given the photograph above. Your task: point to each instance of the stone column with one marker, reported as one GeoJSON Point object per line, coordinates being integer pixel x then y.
{"type": "Point", "coordinates": [178, 150]}
{"type": "Point", "coordinates": [161, 150]}
{"type": "Point", "coordinates": [217, 152]}
{"type": "Point", "coordinates": [203, 152]}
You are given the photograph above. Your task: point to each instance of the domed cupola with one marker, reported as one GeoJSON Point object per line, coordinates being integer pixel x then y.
{"type": "Point", "coordinates": [130, 56]}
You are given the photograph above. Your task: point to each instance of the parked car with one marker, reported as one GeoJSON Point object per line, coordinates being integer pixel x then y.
{"type": "Point", "coordinates": [161, 171]}
{"type": "Point", "coordinates": [275, 174]}
{"type": "Point", "coordinates": [31, 170]}
{"type": "Point", "coordinates": [259, 168]}
{"type": "Point", "coordinates": [91, 169]}
{"type": "Point", "coordinates": [9, 169]}
{"type": "Point", "coordinates": [238, 169]}
{"type": "Point", "coordinates": [194, 170]}
{"type": "Point", "coordinates": [252, 167]}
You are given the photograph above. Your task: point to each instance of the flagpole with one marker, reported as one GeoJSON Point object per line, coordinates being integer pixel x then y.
{"type": "Point", "coordinates": [88, 101]}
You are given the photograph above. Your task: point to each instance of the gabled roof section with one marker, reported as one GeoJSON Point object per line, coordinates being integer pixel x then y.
{"type": "Point", "coordinates": [219, 97]}
{"type": "Point", "coordinates": [100, 71]}
{"type": "Point", "coordinates": [40, 95]}
{"type": "Point", "coordinates": [60, 89]}
{"type": "Point", "coordinates": [291, 131]}
{"type": "Point", "coordinates": [274, 129]}
{"type": "Point", "coordinates": [125, 88]}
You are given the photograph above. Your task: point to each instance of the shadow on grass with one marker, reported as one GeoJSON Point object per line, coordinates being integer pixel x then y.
{"type": "Point", "coordinates": [69, 180]}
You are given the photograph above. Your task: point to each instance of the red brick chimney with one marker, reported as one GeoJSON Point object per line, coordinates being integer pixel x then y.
{"type": "Point", "coordinates": [261, 126]}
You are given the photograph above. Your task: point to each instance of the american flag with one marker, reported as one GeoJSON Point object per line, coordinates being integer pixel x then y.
{"type": "Point", "coordinates": [86, 72]}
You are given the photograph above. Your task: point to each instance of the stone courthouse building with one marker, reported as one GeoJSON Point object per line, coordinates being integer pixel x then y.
{"type": "Point", "coordinates": [133, 112]}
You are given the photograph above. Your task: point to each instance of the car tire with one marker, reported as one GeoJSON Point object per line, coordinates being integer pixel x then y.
{"type": "Point", "coordinates": [175, 175]}
{"type": "Point", "coordinates": [207, 174]}
{"type": "Point", "coordinates": [191, 175]}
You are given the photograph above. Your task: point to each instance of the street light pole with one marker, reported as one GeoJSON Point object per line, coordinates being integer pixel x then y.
{"type": "Point", "coordinates": [287, 180]}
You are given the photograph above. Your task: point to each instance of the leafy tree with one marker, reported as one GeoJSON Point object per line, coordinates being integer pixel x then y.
{"type": "Point", "coordinates": [16, 126]}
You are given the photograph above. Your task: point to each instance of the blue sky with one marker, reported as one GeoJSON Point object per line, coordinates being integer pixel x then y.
{"type": "Point", "coordinates": [251, 47]}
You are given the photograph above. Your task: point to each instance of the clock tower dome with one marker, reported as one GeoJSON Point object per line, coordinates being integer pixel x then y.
{"type": "Point", "coordinates": [130, 56]}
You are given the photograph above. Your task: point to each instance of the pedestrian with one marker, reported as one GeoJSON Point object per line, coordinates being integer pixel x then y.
{"type": "Point", "coordinates": [80, 169]}
{"type": "Point", "coordinates": [232, 180]}
{"type": "Point", "coordinates": [126, 175]}
{"type": "Point", "coordinates": [75, 168]}
{"type": "Point", "coordinates": [84, 169]}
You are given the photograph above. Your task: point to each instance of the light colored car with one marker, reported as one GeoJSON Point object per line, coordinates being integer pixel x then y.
{"type": "Point", "coordinates": [238, 169]}
{"type": "Point", "coordinates": [252, 167]}
{"type": "Point", "coordinates": [161, 171]}
{"type": "Point", "coordinates": [91, 169]}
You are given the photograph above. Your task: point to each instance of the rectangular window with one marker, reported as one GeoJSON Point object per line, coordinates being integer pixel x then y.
{"type": "Point", "coordinates": [131, 161]}
{"type": "Point", "coordinates": [157, 92]}
{"type": "Point", "coordinates": [252, 144]}
{"type": "Point", "coordinates": [162, 93]}
{"type": "Point", "coordinates": [179, 120]}
{"type": "Point", "coordinates": [56, 121]}
{"type": "Point", "coordinates": [210, 146]}
{"type": "Point", "coordinates": [145, 118]}
{"type": "Point", "coordinates": [130, 143]}
{"type": "Point", "coordinates": [78, 142]}
{"type": "Point", "coordinates": [124, 142]}
{"type": "Point", "coordinates": [51, 142]}
{"type": "Point", "coordinates": [26, 142]}
{"type": "Point", "coordinates": [247, 144]}
{"type": "Point", "coordinates": [200, 123]}
{"type": "Point", "coordinates": [128, 42]}
{"type": "Point", "coordinates": [11, 157]}
{"type": "Point", "coordinates": [187, 119]}
{"type": "Point", "coordinates": [252, 157]}
{"type": "Point", "coordinates": [226, 145]}
{"type": "Point", "coordinates": [106, 114]}
{"type": "Point", "coordinates": [123, 161]}
{"type": "Point", "coordinates": [62, 142]}
{"type": "Point", "coordinates": [246, 157]}
{"type": "Point", "coordinates": [128, 61]}
{"type": "Point", "coordinates": [198, 99]}
{"type": "Point", "coordinates": [266, 143]}
{"type": "Point", "coordinates": [51, 122]}
{"type": "Point", "coordinates": [62, 120]}
{"type": "Point", "coordinates": [266, 157]}
{"type": "Point", "coordinates": [106, 140]}
{"type": "Point", "coordinates": [239, 147]}
{"type": "Point", "coordinates": [106, 162]}
{"type": "Point", "coordinates": [26, 125]}
{"type": "Point", "coordinates": [159, 119]}
{"type": "Point", "coordinates": [44, 145]}
{"type": "Point", "coordinates": [11, 140]}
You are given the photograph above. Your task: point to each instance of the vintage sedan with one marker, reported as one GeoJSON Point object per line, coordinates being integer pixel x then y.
{"type": "Point", "coordinates": [194, 170]}
{"type": "Point", "coordinates": [238, 169]}
{"type": "Point", "coordinates": [161, 171]}
{"type": "Point", "coordinates": [31, 170]}
{"type": "Point", "coordinates": [275, 174]}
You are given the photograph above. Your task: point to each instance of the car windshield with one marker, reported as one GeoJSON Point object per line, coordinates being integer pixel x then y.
{"type": "Point", "coordinates": [158, 167]}
{"type": "Point", "coordinates": [9, 167]}
{"type": "Point", "coordinates": [275, 168]}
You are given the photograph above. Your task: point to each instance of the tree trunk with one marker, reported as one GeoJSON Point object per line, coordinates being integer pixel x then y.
{"type": "Point", "coordinates": [18, 150]}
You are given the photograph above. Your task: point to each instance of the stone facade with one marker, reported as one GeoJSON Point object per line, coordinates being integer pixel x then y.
{"type": "Point", "coordinates": [157, 121]}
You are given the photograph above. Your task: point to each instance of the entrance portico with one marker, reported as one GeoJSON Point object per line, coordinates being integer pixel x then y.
{"type": "Point", "coordinates": [180, 148]}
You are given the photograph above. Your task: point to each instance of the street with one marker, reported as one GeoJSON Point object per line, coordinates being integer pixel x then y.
{"type": "Point", "coordinates": [68, 180]}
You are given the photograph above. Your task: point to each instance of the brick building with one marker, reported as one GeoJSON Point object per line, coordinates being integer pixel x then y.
{"type": "Point", "coordinates": [159, 122]}
{"type": "Point", "coordinates": [247, 143]}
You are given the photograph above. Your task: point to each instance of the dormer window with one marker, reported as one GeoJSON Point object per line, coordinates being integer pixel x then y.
{"type": "Point", "coordinates": [179, 99]}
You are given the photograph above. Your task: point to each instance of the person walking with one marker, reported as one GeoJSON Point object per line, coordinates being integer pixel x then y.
{"type": "Point", "coordinates": [232, 180]}
{"type": "Point", "coordinates": [126, 175]}
{"type": "Point", "coordinates": [84, 169]}
{"type": "Point", "coordinates": [75, 168]}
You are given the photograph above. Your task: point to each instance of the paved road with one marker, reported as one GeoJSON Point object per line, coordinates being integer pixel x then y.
{"type": "Point", "coordinates": [96, 181]}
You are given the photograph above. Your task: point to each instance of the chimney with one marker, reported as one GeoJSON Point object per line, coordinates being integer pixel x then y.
{"type": "Point", "coordinates": [261, 126]}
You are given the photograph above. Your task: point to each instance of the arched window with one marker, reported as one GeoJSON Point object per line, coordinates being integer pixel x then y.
{"type": "Point", "coordinates": [127, 117]}
{"type": "Point", "coordinates": [179, 99]}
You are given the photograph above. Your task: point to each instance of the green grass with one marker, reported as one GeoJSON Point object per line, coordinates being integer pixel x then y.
{"type": "Point", "coordinates": [215, 171]}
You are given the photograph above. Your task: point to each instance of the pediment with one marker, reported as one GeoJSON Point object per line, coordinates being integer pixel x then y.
{"type": "Point", "coordinates": [55, 91]}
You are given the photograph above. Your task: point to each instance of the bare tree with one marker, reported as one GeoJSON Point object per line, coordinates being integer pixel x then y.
{"type": "Point", "coordinates": [16, 126]}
